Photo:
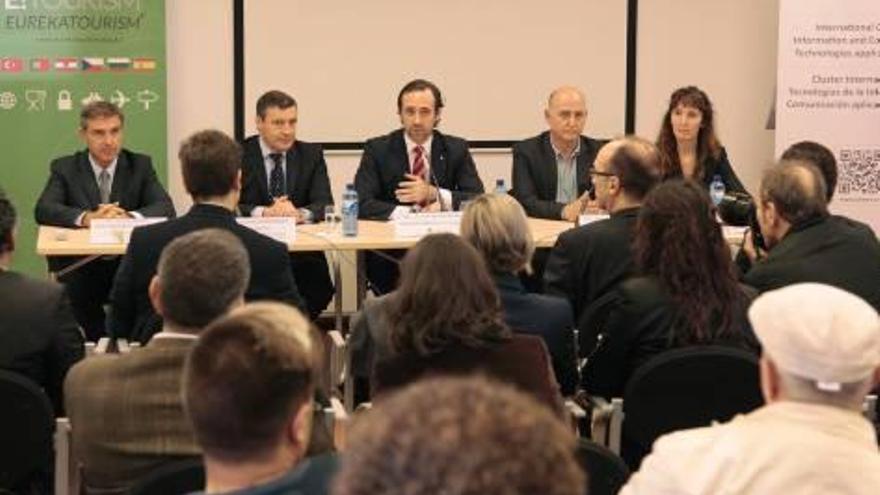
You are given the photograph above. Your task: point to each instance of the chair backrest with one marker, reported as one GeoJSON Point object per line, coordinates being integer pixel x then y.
{"type": "Point", "coordinates": [686, 388]}
{"type": "Point", "coordinates": [176, 478]}
{"type": "Point", "coordinates": [592, 322]}
{"type": "Point", "coordinates": [27, 423]}
{"type": "Point", "coordinates": [606, 471]}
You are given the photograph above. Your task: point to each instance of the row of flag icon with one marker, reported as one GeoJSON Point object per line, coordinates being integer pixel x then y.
{"type": "Point", "coordinates": [71, 64]}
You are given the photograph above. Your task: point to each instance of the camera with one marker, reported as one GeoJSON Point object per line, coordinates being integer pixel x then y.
{"type": "Point", "coordinates": [739, 209]}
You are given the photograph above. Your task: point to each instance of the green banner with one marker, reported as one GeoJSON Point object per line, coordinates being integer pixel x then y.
{"type": "Point", "coordinates": [56, 56]}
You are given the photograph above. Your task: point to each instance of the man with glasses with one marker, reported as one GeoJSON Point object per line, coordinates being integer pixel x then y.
{"type": "Point", "coordinates": [550, 170]}
{"type": "Point", "coordinates": [285, 177]}
{"type": "Point", "coordinates": [589, 261]}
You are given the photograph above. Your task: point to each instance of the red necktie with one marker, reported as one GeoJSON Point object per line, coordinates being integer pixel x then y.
{"type": "Point", "coordinates": [418, 166]}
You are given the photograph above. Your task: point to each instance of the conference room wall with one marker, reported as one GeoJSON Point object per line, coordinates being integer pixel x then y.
{"type": "Point", "coordinates": [727, 48]}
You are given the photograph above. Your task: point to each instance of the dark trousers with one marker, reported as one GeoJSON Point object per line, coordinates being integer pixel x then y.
{"type": "Point", "coordinates": [312, 276]}
{"type": "Point", "coordinates": [383, 269]}
{"type": "Point", "coordinates": [88, 288]}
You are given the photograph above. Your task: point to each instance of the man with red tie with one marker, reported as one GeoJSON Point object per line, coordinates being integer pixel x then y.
{"type": "Point", "coordinates": [413, 169]}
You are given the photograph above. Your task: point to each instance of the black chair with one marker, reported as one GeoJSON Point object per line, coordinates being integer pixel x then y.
{"type": "Point", "coordinates": [606, 471]}
{"type": "Point", "coordinates": [176, 478]}
{"type": "Point", "coordinates": [27, 423]}
{"type": "Point", "coordinates": [686, 388]}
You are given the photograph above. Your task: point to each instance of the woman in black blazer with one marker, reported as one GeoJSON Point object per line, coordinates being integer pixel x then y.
{"type": "Point", "coordinates": [497, 226]}
{"type": "Point", "coordinates": [686, 292]}
{"type": "Point", "coordinates": [688, 144]}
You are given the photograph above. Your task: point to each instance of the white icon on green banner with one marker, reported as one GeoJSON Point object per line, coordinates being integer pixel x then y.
{"type": "Point", "coordinates": [8, 100]}
{"type": "Point", "coordinates": [92, 97]}
{"type": "Point", "coordinates": [65, 102]}
{"type": "Point", "coordinates": [36, 99]}
{"type": "Point", "coordinates": [119, 99]}
{"type": "Point", "coordinates": [147, 98]}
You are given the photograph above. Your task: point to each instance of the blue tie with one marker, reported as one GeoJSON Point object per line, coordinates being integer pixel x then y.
{"type": "Point", "coordinates": [276, 180]}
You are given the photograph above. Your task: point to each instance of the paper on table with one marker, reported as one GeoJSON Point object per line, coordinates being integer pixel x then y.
{"type": "Point", "coordinates": [117, 230]}
{"type": "Point", "coordinates": [282, 229]}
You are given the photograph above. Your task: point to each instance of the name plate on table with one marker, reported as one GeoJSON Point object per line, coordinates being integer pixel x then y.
{"type": "Point", "coordinates": [422, 224]}
{"type": "Point", "coordinates": [282, 229]}
{"type": "Point", "coordinates": [117, 230]}
{"type": "Point", "coordinates": [587, 218]}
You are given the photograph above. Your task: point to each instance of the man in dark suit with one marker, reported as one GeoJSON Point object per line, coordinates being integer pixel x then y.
{"type": "Point", "coordinates": [589, 261]}
{"type": "Point", "coordinates": [249, 386]}
{"type": "Point", "coordinates": [211, 166]}
{"type": "Point", "coordinates": [103, 181]}
{"type": "Point", "coordinates": [805, 243]}
{"type": "Point", "coordinates": [285, 177]}
{"type": "Point", "coordinates": [125, 410]}
{"type": "Point", "coordinates": [413, 169]}
{"type": "Point", "coordinates": [39, 337]}
{"type": "Point", "coordinates": [550, 176]}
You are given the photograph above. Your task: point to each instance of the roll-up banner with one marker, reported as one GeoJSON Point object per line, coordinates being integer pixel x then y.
{"type": "Point", "coordinates": [58, 55]}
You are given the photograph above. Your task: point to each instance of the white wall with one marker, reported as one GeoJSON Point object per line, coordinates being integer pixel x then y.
{"type": "Point", "coordinates": [727, 48]}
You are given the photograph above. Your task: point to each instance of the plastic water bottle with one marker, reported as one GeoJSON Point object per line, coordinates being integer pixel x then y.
{"type": "Point", "coordinates": [716, 190]}
{"type": "Point", "coordinates": [500, 187]}
{"type": "Point", "coordinates": [350, 211]}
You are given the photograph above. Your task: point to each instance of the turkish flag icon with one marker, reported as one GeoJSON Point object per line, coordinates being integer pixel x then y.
{"type": "Point", "coordinates": [11, 65]}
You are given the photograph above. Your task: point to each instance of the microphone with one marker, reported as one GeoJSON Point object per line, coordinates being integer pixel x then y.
{"type": "Point", "coordinates": [437, 184]}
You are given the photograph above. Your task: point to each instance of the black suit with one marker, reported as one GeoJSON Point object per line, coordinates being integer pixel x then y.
{"type": "Point", "coordinates": [832, 250]}
{"type": "Point", "coordinates": [38, 336]}
{"type": "Point", "coordinates": [722, 168]}
{"type": "Point", "coordinates": [308, 187]}
{"type": "Point", "coordinates": [383, 164]}
{"type": "Point", "coordinates": [535, 175]}
{"type": "Point", "coordinates": [587, 262]}
{"type": "Point", "coordinates": [132, 314]}
{"type": "Point", "coordinates": [547, 317]}
{"type": "Point", "coordinates": [385, 161]}
{"type": "Point", "coordinates": [72, 190]}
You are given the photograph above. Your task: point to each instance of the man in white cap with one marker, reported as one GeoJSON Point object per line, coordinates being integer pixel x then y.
{"type": "Point", "coordinates": [821, 357]}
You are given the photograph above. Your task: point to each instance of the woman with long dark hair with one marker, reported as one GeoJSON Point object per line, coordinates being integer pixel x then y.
{"type": "Point", "coordinates": [445, 318]}
{"type": "Point", "coordinates": [688, 144]}
{"type": "Point", "coordinates": [686, 292]}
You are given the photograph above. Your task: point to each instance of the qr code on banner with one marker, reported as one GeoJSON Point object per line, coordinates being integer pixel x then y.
{"type": "Point", "coordinates": [859, 171]}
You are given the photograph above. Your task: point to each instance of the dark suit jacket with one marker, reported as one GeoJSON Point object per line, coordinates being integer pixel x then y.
{"type": "Point", "coordinates": [640, 327]}
{"type": "Point", "coordinates": [521, 361]}
{"type": "Point", "coordinates": [385, 161]}
{"type": "Point", "coordinates": [126, 413]}
{"type": "Point", "coordinates": [132, 315]}
{"type": "Point", "coordinates": [38, 336]}
{"type": "Point", "coordinates": [589, 261]}
{"type": "Point", "coordinates": [72, 190]}
{"type": "Point", "coordinates": [832, 250]}
{"type": "Point", "coordinates": [722, 167]}
{"type": "Point", "coordinates": [544, 316]}
{"type": "Point", "coordinates": [534, 174]}
{"type": "Point", "coordinates": [310, 476]}
{"type": "Point", "coordinates": [308, 185]}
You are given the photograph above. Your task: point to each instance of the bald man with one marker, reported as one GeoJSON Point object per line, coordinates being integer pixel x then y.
{"type": "Point", "coordinates": [804, 243]}
{"type": "Point", "coordinates": [550, 176]}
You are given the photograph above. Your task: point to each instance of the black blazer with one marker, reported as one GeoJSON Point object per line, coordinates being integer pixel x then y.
{"type": "Point", "coordinates": [385, 161]}
{"type": "Point", "coordinates": [132, 315]}
{"type": "Point", "coordinates": [39, 337]}
{"type": "Point", "coordinates": [589, 261]}
{"type": "Point", "coordinates": [534, 174]}
{"type": "Point", "coordinates": [308, 185]}
{"type": "Point", "coordinates": [72, 189]}
{"type": "Point", "coordinates": [833, 250]}
{"type": "Point", "coordinates": [640, 327]}
{"type": "Point", "coordinates": [544, 316]}
{"type": "Point", "coordinates": [722, 167]}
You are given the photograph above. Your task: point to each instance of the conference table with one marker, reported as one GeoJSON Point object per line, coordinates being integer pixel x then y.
{"type": "Point", "coordinates": [372, 235]}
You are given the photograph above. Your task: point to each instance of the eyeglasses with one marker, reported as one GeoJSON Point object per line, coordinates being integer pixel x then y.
{"type": "Point", "coordinates": [594, 172]}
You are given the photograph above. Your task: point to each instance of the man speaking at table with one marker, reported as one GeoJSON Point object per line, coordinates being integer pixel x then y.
{"type": "Point", "coordinates": [413, 169]}
{"type": "Point", "coordinates": [103, 181]}
{"type": "Point", "coordinates": [210, 163]}
{"type": "Point", "coordinates": [285, 177]}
